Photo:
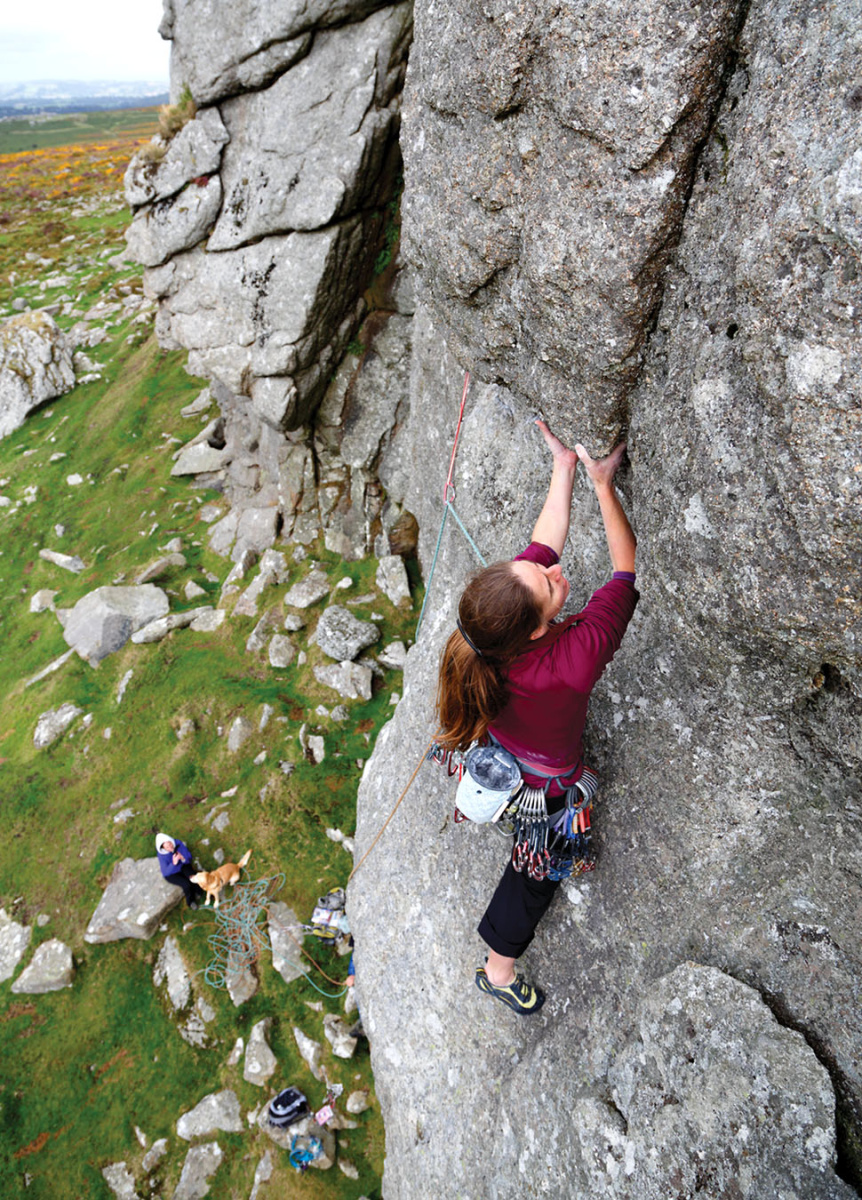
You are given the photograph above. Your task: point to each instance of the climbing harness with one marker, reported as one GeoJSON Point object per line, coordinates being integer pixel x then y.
{"type": "Point", "coordinates": [544, 847]}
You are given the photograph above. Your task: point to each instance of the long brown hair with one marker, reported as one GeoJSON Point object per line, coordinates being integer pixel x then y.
{"type": "Point", "coordinates": [498, 612]}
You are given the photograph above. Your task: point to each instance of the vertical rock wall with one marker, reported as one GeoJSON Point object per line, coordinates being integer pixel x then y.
{"type": "Point", "coordinates": [641, 221]}
{"type": "Point", "coordinates": [259, 223]}
{"type": "Point", "coordinates": [646, 225]}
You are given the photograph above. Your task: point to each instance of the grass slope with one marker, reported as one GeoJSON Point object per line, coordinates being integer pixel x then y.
{"type": "Point", "coordinates": [81, 1068]}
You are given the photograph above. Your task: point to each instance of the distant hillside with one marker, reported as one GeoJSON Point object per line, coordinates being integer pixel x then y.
{"type": "Point", "coordinates": [69, 95]}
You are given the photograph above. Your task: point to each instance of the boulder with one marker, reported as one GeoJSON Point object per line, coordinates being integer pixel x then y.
{"type": "Point", "coordinates": [260, 1062]}
{"type": "Point", "coordinates": [351, 680]}
{"type": "Point", "coordinates": [282, 651]}
{"type": "Point", "coordinates": [217, 1112]}
{"type": "Point", "coordinates": [135, 902]}
{"type": "Point", "coordinates": [341, 635]}
{"type": "Point", "coordinates": [242, 981]}
{"type": "Point", "coordinates": [262, 631]}
{"type": "Point", "coordinates": [53, 724]}
{"type": "Point", "coordinates": [35, 366]}
{"type": "Point", "coordinates": [273, 569]}
{"type": "Point", "coordinates": [104, 620]}
{"type": "Point", "coordinates": [50, 969]}
{"type": "Point", "coordinates": [201, 1163]}
{"type": "Point", "coordinates": [14, 940]}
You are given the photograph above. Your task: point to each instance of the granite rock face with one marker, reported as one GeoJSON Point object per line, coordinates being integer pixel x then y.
{"type": "Point", "coordinates": [726, 732]}
{"type": "Point", "coordinates": [548, 160]}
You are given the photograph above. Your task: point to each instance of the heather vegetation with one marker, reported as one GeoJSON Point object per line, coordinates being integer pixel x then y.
{"type": "Point", "coordinates": [82, 1069]}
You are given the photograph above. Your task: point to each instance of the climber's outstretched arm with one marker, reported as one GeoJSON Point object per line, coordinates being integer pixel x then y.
{"type": "Point", "coordinates": [621, 540]}
{"type": "Point", "coordinates": [552, 527]}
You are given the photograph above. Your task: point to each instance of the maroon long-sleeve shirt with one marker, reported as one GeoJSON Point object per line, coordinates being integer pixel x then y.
{"type": "Point", "coordinates": [550, 683]}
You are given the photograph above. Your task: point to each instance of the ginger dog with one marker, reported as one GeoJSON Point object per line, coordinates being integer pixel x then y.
{"type": "Point", "coordinates": [212, 882]}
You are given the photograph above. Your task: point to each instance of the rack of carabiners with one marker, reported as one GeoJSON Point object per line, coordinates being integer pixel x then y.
{"type": "Point", "coordinates": [558, 849]}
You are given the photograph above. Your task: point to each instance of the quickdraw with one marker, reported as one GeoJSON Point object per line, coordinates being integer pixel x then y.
{"type": "Point", "coordinates": [530, 851]}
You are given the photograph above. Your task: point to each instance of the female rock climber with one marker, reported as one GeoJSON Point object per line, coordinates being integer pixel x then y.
{"type": "Point", "coordinates": [513, 671]}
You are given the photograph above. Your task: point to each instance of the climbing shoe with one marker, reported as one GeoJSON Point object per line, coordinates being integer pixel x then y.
{"type": "Point", "coordinates": [519, 995]}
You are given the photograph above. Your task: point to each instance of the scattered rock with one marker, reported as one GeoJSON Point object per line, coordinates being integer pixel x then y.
{"type": "Point", "coordinates": [282, 651]}
{"type": "Point", "coordinates": [262, 1174]}
{"type": "Point", "coordinates": [201, 1164]}
{"type": "Point", "coordinates": [240, 731]}
{"type": "Point", "coordinates": [308, 591]}
{"type": "Point", "coordinates": [242, 981]}
{"type": "Point", "coordinates": [104, 620]}
{"type": "Point", "coordinates": [236, 1054]}
{"type": "Point", "coordinates": [259, 636]}
{"type": "Point", "coordinates": [351, 680]}
{"type": "Point", "coordinates": [394, 655]}
{"type": "Point", "coordinates": [208, 620]}
{"type": "Point", "coordinates": [293, 622]}
{"type": "Point", "coordinates": [316, 748]}
{"type": "Point", "coordinates": [357, 1102]}
{"type": "Point", "coordinates": [392, 579]}
{"type": "Point", "coordinates": [120, 1180]}
{"type": "Point", "coordinates": [218, 1111]}
{"type": "Point", "coordinates": [69, 562]}
{"type": "Point", "coordinates": [347, 1168]}
{"type": "Point", "coordinates": [135, 902]}
{"type": "Point", "coordinates": [342, 636]}
{"type": "Point", "coordinates": [50, 969]}
{"type": "Point", "coordinates": [185, 728]}
{"type": "Point", "coordinates": [199, 458]}
{"type": "Point", "coordinates": [273, 569]}
{"type": "Point", "coordinates": [53, 723]}
{"type": "Point", "coordinates": [14, 940]}
{"type": "Point", "coordinates": [154, 1155]}
{"type": "Point", "coordinates": [123, 684]}
{"type": "Point", "coordinates": [156, 631]}
{"type": "Point", "coordinates": [311, 1051]}
{"type": "Point", "coordinates": [160, 567]}
{"type": "Point", "coordinates": [260, 1062]}
{"type": "Point", "coordinates": [52, 666]}
{"type": "Point", "coordinates": [170, 970]}
{"type": "Point", "coordinates": [338, 1036]}
{"type": "Point", "coordinates": [192, 590]}
{"type": "Point", "coordinates": [42, 600]}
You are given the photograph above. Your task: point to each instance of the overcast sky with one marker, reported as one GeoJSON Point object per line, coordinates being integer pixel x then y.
{"type": "Point", "coordinates": [83, 40]}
